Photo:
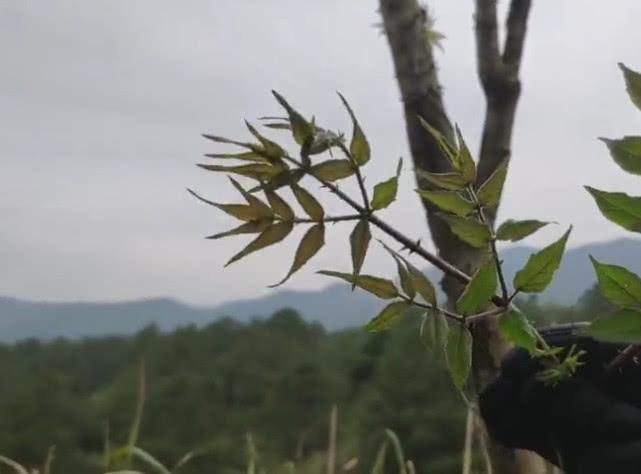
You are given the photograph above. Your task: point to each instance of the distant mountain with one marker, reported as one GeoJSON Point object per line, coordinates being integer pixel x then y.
{"type": "Point", "coordinates": [335, 306]}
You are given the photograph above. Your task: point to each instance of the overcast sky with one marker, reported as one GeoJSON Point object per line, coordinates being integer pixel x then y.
{"type": "Point", "coordinates": [102, 104]}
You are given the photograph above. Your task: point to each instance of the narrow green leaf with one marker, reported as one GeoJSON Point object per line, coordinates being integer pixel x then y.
{"type": "Point", "coordinates": [332, 170]}
{"type": "Point", "coordinates": [219, 139]}
{"type": "Point", "coordinates": [148, 459]}
{"type": "Point", "coordinates": [359, 147]}
{"type": "Point", "coordinates": [258, 171]}
{"type": "Point", "coordinates": [468, 167]}
{"type": "Point", "coordinates": [359, 243]}
{"type": "Point", "coordinates": [626, 152]}
{"type": "Point", "coordinates": [310, 244]}
{"type": "Point", "coordinates": [270, 236]}
{"type": "Point", "coordinates": [517, 230]}
{"type": "Point", "coordinates": [479, 290]}
{"type": "Point", "coordinates": [489, 193]}
{"type": "Point", "coordinates": [244, 156]}
{"type": "Point", "coordinates": [434, 331]}
{"type": "Point", "coordinates": [540, 267]}
{"type": "Point", "coordinates": [407, 285]}
{"type": "Point", "coordinates": [618, 284]}
{"type": "Point", "coordinates": [379, 461]}
{"type": "Point", "coordinates": [385, 192]}
{"type": "Point", "coordinates": [279, 205]}
{"type": "Point", "coordinates": [448, 201]}
{"type": "Point", "coordinates": [515, 328]}
{"type": "Point", "coordinates": [241, 212]}
{"type": "Point", "coordinates": [448, 181]}
{"type": "Point", "coordinates": [418, 281]}
{"type": "Point", "coordinates": [308, 202]}
{"type": "Point", "coordinates": [622, 327]}
{"type": "Point", "coordinates": [271, 149]}
{"type": "Point", "coordinates": [380, 287]}
{"type": "Point", "coordinates": [253, 227]}
{"type": "Point", "coordinates": [619, 208]}
{"type": "Point", "coordinates": [449, 152]}
{"type": "Point", "coordinates": [281, 178]}
{"type": "Point", "coordinates": [421, 283]}
{"type": "Point", "coordinates": [459, 354]}
{"type": "Point", "coordinates": [468, 230]}
{"type": "Point", "coordinates": [302, 130]}
{"type": "Point", "coordinates": [262, 209]}
{"type": "Point", "coordinates": [633, 84]}
{"type": "Point", "coordinates": [388, 316]}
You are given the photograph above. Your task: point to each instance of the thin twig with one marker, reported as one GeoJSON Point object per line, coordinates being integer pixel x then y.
{"type": "Point", "coordinates": [359, 176]}
{"type": "Point", "coordinates": [348, 217]}
{"type": "Point", "coordinates": [495, 254]}
{"type": "Point", "coordinates": [475, 318]}
{"type": "Point", "coordinates": [446, 313]}
{"type": "Point", "coordinates": [411, 245]}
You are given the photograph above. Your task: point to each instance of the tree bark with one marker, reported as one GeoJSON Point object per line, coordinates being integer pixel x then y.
{"type": "Point", "coordinates": [405, 24]}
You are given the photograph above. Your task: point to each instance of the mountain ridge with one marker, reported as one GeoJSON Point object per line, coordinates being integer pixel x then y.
{"type": "Point", "coordinates": [335, 306]}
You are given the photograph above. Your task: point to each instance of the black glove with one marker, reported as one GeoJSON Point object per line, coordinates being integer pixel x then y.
{"type": "Point", "coordinates": [590, 423]}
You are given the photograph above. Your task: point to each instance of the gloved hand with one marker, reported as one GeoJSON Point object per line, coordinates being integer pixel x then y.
{"type": "Point", "coordinates": [590, 423]}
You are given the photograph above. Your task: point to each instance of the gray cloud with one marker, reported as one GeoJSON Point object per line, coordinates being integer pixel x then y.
{"type": "Point", "coordinates": [102, 103]}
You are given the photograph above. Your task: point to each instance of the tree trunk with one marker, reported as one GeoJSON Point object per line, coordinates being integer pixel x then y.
{"type": "Point", "coordinates": [405, 23]}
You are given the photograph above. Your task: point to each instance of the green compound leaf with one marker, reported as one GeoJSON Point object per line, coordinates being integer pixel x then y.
{"type": "Point", "coordinates": [271, 150]}
{"type": "Point", "coordinates": [626, 152]}
{"type": "Point", "coordinates": [270, 236]}
{"type": "Point", "coordinates": [448, 201]}
{"type": "Point", "coordinates": [308, 202]}
{"type": "Point", "coordinates": [468, 167]}
{"type": "Point", "coordinates": [516, 328]}
{"type": "Point", "coordinates": [518, 230]}
{"type": "Point", "coordinates": [332, 170]}
{"type": "Point", "coordinates": [385, 192]}
{"type": "Point", "coordinates": [489, 193]}
{"type": "Point", "coordinates": [302, 130]}
{"type": "Point", "coordinates": [380, 287]}
{"type": "Point", "coordinates": [479, 290]}
{"type": "Point", "coordinates": [447, 181]}
{"type": "Point", "coordinates": [359, 147]}
{"type": "Point", "coordinates": [623, 327]}
{"type": "Point", "coordinates": [449, 152]}
{"type": "Point", "coordinates": [459, 354]}
{"type": "Point", "coordinates": [434, 331]}
{"type": "Point", "coordinates": [619, 208]}
{"type": "Point", "coordinates": [468, 230]}
{"type": "Point", "coordinates": [253, 227]}
{"type": "Point", "coordinates": [359, 242]}
{"type": "Point", "coordinates": [618, 284]}
{"type": "Point", "coordinates": [388, 316]}
{"type": "Point", "coordinates": [633, 84]}
{"type": "Point", "coordinates": [407, 283]}
{"type": "Point", "coordinates": [310, 244]}
{"type": "Point", "coordinates": [541, 266]}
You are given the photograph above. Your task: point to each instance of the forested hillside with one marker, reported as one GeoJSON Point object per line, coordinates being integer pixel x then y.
{"type": "Point", "coordinates": [208, 387]}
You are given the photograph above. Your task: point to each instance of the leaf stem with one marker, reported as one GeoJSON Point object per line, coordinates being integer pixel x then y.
{"type": "Point", "coordinates": [347, 217]}
{"type": "Point", "coordinates": [359, 177]}
{"type": "Point", "coordinates": [411, 245]}
{"type": "Point", "coordinates": [446, 313]}
{"type": "Point", "coordinates": [475, 318]}
{"type": "Point", "coordinates": [495, 254]}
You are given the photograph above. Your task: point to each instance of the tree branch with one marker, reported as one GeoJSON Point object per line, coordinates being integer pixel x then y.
{"type": "Point", "coordinates": [487, 43]}
{"type": "Point", "coordinates": [515, 39]}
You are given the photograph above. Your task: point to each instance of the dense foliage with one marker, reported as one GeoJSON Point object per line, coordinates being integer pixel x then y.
{"type": "Point", "coordinates": [208, 387]}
